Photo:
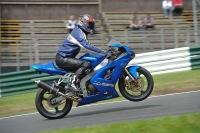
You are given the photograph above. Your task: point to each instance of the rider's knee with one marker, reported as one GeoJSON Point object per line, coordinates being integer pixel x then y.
{"type": "Point", "coordinates": [87, 64]}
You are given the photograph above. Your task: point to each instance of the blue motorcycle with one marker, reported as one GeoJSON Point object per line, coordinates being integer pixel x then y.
{"type": "Point", "coordinates": [135, 83]}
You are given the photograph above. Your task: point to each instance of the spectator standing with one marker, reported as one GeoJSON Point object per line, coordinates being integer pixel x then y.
{"type": "Point", "coordinates": [148, 22]}
{"type": "Point", "coordinates": [71, 24]}
{"type": "Point", "coordinates": [178, 7]}
{"type": "Point", "coordinates": [135, 22]}
{"type": "Point", "coordinates": [167, 8]}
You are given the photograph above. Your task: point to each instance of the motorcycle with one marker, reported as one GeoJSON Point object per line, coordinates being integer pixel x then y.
{"type": "Point", "coordinates": [54, 100]}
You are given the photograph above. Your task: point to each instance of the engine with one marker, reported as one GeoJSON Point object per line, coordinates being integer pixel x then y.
{"type": "Point", "coordinates": [91, 88]}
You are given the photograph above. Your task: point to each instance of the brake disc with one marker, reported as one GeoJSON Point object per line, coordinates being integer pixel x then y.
{"type": "Point", "coordinates": [136, 86]}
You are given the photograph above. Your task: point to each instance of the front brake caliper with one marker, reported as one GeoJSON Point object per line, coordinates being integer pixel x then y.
{"type": "Point", "coordinates": [128, 84]}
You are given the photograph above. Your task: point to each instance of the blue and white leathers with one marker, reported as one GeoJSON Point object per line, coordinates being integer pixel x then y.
{"type": "Point", "coordinates": [106, 87]}
{"type": "Point", "coordinates": [76, 40]}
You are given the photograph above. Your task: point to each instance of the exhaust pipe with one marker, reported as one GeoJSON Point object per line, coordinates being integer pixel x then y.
{"type": "Point", "coordinates": [53, 90]}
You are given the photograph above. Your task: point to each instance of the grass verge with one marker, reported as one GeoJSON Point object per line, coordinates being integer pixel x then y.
{"type": "Point", "coordinates": [163, 84]}
{"type": "Point", "coordinates": [188, 123]}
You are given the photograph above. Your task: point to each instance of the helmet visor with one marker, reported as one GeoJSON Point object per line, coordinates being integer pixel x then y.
{"type": "Point", "coordinates": [91, 25]}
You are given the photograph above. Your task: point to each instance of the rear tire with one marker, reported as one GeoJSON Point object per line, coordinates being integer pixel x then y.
{"type": "Point", "coordinates": [40, 100]}
{"type": "Point", "coordinates": [144, 93]}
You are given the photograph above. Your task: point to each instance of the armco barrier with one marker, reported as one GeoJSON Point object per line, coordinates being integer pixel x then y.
{"type": "Point", "coordinates": [173, 60]}
{"type": "Point", "coordinates": [21, 82]}
{"type": "Point", "coordinates": [165, 61]}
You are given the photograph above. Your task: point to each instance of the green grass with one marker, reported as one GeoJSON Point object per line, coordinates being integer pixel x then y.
{"type": "Point", "coordinates": [176, 80]}
{"type": "Point", "coordinates": [18, 104]}
{"type": "Point", "coordinates": [163, 84]}
{"type": "Point", "coordinates": [189, 123]}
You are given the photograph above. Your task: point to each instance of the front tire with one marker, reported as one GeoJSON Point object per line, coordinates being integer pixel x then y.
{"type": "Point", "coordinates": [139, 91]}
{"type": "Point", "coordinates": [51, 111]}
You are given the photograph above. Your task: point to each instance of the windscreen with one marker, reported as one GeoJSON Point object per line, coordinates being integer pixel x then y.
{"type": "Point", "coordinates": [114, 42]}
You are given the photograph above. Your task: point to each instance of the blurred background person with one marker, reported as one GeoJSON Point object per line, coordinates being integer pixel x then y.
{"type": "Point", "coordinates": [178, 7]}
{"type": "Point", "coordinates": [167, 8]}
{"type": "Point", "coordinates": [71, 23]}
{"type": "Point", "coordinates": [148, 22]}
{"type": "Point", "coordinates": [135, 22]}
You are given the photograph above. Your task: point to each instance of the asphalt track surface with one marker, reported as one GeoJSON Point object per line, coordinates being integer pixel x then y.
{"type": "Point", "coordinates": [102, 114]}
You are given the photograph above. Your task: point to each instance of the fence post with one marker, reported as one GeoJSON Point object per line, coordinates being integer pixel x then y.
{"type": "Point", "coordinates": [162, 39]}
{"type": "Point", "coordinates": [0, 36]}
{"type": "Point", "coordinates": [144, 41]}
{"type": "Point", "coordinates": [0, 59]}
{"type": "Point", "coordinates": [17, 55]}
{"type": "Point", "coordinates": [32, 44]}
{"type": "Point", "coordinates": [30, 53]}
{"type": "Point", "coordinates": [36, 51]}
{"type": "Point", "coordinates": [176, 36]}
{"type": "Point", "coordinates": [195, 22]}
{"type": "Point", "coordinates": [188, 36]}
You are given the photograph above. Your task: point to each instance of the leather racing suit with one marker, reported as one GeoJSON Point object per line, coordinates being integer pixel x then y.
{"type": "Point", "coordinates": [71, 46]}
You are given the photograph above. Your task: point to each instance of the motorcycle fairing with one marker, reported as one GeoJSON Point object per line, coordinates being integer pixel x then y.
{"type": "Point", "coordinates": [48, 68]}
{"type": "Point", "coordinates": [93, 59]}
{"type": "Point", "coordinates": [106, 88]}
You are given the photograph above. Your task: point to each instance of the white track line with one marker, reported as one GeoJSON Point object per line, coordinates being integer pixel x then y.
{"type": "Point", "coordinates": [106, 103]}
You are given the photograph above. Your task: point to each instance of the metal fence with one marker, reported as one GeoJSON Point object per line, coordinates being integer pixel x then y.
{"type": "Point", "coordinates": [22, 55]}
{"type": "Point", "coordinates": [166, 38]}
{"type": "Point", "coordinates": [145, 41]}
{"type": "Point", "coordinates": [157, 39]}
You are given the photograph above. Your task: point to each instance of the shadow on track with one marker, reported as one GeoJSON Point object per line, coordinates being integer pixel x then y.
{"type": "Point", "coordinates": [111, 110]}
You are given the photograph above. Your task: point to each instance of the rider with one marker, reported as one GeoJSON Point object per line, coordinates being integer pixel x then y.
{"type": "Point", "coordinates": [67, 52]}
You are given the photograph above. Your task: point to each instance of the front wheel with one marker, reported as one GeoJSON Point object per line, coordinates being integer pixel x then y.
{"type": "Point", "coordinates": [47, 109]}
{"type": "Point", "coordinates": [139, 89]}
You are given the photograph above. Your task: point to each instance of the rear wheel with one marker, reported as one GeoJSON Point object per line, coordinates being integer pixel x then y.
{"type": "Point", "coordinates": [139, 89]}
{"type": "Point", "coordinates": [47, 109]}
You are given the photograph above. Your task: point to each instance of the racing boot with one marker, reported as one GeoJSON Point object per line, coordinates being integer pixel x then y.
{"type": "Point", "coordinates": [75, 84]}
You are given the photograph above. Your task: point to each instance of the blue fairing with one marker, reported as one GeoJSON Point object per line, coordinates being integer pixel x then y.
{"type": "Point", "coordinates": [103, 85]}
{"type": "Point", "coordinates": [106, 88]}
{"type": "Point", "coordinates": [48, 68]}
{"type": "Point", "coordinates": [133, 70]}
{"type": "Point", "coordinates": [93, 59]}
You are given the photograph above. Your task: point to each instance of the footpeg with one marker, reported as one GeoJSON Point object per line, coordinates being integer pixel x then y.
{"type": "Point", "coordinates": [73, 88]}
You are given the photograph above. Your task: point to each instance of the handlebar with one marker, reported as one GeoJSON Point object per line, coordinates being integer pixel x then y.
{"type": "Point", "coordinates": [114, 53]}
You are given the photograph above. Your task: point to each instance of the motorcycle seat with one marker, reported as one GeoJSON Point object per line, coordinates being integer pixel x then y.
{"type": "Point", "coordinates": [49, 68]}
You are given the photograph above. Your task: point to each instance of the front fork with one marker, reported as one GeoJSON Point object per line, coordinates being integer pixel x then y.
{"type": "Point", "coordinates": [131, 72]}
{"type": "Point", "coordinates": [129, 75]}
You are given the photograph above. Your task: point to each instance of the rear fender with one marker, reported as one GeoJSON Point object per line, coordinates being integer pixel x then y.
{"type": "Point", "coordinates": [133, 70]}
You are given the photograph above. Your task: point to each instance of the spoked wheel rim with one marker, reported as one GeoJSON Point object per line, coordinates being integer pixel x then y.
{"type": "Point", "coordinates": [54, 109]}
{"type": "Point", "coordinates": [139, 89]}
{"type": "Point", "coordinates": [55, 106]}
{"type": "Point", "coordinates": [49, 110]}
